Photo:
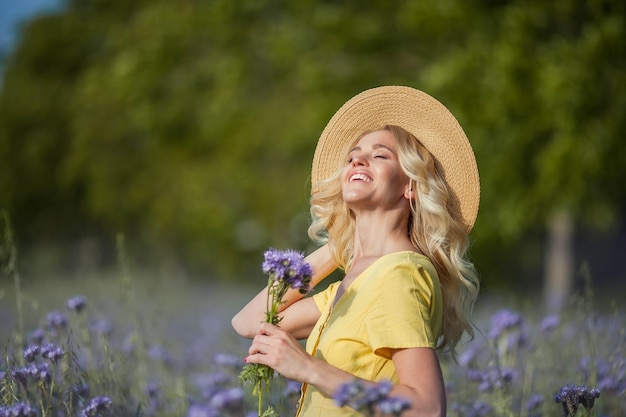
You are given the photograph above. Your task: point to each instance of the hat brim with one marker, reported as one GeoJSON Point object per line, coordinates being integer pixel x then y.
{"type": "Point", "coordinates": [421, 115]}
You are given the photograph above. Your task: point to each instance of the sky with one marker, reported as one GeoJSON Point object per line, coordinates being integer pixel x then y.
{"type": "Point", "coordinates": [13, 13]}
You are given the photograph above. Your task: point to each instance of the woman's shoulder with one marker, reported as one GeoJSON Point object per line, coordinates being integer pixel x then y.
{"type": "Point", "coordinates": [403, 265]}
{"type": "Point", "coordinates": [405, 258]}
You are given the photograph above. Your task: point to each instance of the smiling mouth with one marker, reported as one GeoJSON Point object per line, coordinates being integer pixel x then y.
{"type": "Point", "coordinates": [360, 177]}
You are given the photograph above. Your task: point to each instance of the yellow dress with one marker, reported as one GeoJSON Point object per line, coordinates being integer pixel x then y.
{"type": "Point", "coordinates": [395, 303]}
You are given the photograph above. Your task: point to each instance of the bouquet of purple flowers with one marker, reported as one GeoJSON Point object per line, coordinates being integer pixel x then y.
{"type": "Point", "coordinates": [286, 269]}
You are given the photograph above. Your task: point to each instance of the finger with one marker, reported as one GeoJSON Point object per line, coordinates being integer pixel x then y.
{"type": "Point", "coordinates": [253, 358]}
{"type": "Point", "coordinates": [268, 329]}
{"type": "Point", "coordinates": [260, 344]}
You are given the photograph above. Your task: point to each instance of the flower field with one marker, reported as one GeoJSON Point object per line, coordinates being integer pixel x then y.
{"type": "Point", "coordinates": [122, 344]}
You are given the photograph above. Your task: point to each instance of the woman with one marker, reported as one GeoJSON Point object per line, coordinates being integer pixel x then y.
{"type": "Point", "coordinates": [395, 194]}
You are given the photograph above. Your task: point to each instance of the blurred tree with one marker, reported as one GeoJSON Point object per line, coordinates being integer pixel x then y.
{"type": "Point", "coordinates": [541, 91]}
{"type": "Point", "coordinates": [190, 126]}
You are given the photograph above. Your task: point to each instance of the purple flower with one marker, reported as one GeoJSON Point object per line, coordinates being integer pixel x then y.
{"type": "Point", "coordinates": [77, 303]}
{"type": "Point", "coordinates": [292, 388]}
{"type": "Point", "coordinates": [346, 392]}
{"type": "Point", "coordinates": [393, 406]}
{"type": "Point", "coordinates": [534, 402]}
{"type": "Point", "coordinates": [52, 352]}
{"type": "Point", "coordinates": [509, 375]}
{"type": "Point", "coordinates": [571, 396]}
{"type": "Point", "coordinates": [161, 354]}
{"type": "Point", "coordinates": [228, 399]}
{"type": "Point", "coordinates": [210, 383]}
{"type": "Point", "coordinates": [470, 354]}
{"type": "Point", "coordinates": [96, 405]}
{"type": "Point", "coordinates": [550, 323]}
{"type": "Point", "coordinates": [17, 410]}
{"type": "Point", "coordinates": [56, 320]}
{"type": "Point", "coordinates": [289, 267]}
{"type": "Point", "coordinates": [37, 336]}
{"type": "Point", "coordinates": [367, 398]}
{"type": "Point", "coordinates": [101, 327]}
{"type": "Point", "coordinates": [502, 321]}
{"type": "Point", "coordinates": [81, 389]}
{"type": "Point", "coordinates": [197, 410]}
{"type": "Point", "coordinates": [492, 378]}
{"type": "Point", "coordinates": [30, 352]}
{"type": "Point", "coordinates": [42, 372]}
{"type": "Point", "coordinates": [482, 409]}
{"type": "Point", "coordinates": [587, 396]}
{"type": "Point", "coordinates": [152, 390]}
{"type": "Point", "coordinates": [21, 374]}
{"type": "Point", "coordinates": [378, 392]}
{"type": "Point", "coordinates": [227, 359]}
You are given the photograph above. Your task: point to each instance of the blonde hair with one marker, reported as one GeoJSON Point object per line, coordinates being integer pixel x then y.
{"type": "Point", "coordinates": [433, 230]}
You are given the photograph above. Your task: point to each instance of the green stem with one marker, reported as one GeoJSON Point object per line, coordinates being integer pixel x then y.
{"type": "Point", "coordinates": [260, 392]}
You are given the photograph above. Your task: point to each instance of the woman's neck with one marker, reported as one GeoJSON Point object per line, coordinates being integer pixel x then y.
{"type": "Point", "coordinates": [379, 234]}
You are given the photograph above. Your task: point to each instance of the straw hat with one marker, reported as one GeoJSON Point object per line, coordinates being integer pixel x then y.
{"type": "Point", "coordinates": [423, 116]}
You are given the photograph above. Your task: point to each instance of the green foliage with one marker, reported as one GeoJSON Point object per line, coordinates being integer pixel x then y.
{"type": "Point", "coordinates": [190, 126]}
{"type": "Point", "coordinates": [542, 110]}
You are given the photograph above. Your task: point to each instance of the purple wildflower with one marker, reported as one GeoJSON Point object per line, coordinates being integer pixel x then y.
{"type": "Point", "coordinates": [376, 393]}
{"type": "Point", "coordinates": [197, 410]}
{"type": "Point", "coordinates": [481, 409]}
{"type": "Point", "coordinates": [534, 402]}
{"type": "Point", "coordinates": [289, 267]}
{"type": "Point", "coordinates": [227, 360]}
{"type": "Point", "coordinates": [346, 392]}
{"type": "Point", "coordinates": [17, 410]}
{"type": "Point", "coordinates": [587, 396]}
{"type": "Point", "coordinates": [42, 373]}
{"type": "Point", "coordinates": [37, 336]}
{"type": "Point", "coordinates": [101, 327]}
{"type": "Point", "coordinates": [550, 323]}
{"type": "Point", "coordinates": [509, 375]}
{"type": "Point", "coordinates": [81, 389]}
{"type": "Point", "coordinates": [96, 405]}
{"type": "Point", "coordinates": [470, 354]}
{"type": "Point", "coordinates": [21, 375]}
{"type": "Point", "coordinates": [161, 354]}
{"type": "Point", "coordinates": [293, 388]}
{"type": "Point", "coordinates": [492, 378]}
{"type": "Point", "coordinates": [502, 321]}
{"type": "Point", "coordinates": [77, 303]}
{"type": "Point", "coordinates": [393, 406]}
{"type": "Point", "coordinates": [153, 390]}
{"type": "Point", "coordinates": [56, 320]}
{"type": "Point", "coordinates": [52, 352]}
{"type": "Point", "coordinates": [228, 399]}
{"type": "Point", "coordinates": [571, 396]}
{"type": "Point", "coordinates": [31, 352]}
{"type": "Point", "coordinates": [568, 397]}
{"type": "Point", "coordinates": [367, 398]}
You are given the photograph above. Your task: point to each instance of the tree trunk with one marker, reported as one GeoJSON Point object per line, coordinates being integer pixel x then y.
{"type": "Point", "coordinates": [559, 274]}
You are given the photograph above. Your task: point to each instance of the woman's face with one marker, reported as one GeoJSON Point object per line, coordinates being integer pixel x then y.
{"type": "Point", "coordinates": [372, 176]}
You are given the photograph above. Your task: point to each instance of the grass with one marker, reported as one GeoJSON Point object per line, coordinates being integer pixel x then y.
{"type": "Point", "coordinates": [160, 346]}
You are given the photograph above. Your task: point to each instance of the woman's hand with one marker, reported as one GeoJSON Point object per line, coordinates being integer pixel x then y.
{"type": "Point", "coordinates": [276, 348]}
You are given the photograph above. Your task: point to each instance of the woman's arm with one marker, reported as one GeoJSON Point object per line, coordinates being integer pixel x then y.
{"type": "Point", "coordinates": [419, 375]}
{"type": "Point", "coordinates": [297, 317]}
{"type": "Point", "coordinates": [420, 381]}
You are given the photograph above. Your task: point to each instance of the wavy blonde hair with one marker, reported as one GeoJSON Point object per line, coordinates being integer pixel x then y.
{"type": "Point", "coordinates": [433, 230]}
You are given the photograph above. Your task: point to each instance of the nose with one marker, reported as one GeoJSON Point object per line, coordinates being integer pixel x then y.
{"type": "Point", "coordinates": [358, 160]}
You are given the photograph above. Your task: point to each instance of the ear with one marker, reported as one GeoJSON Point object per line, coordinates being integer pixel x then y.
{"type": "Point", "coordinates": [409, 194]}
